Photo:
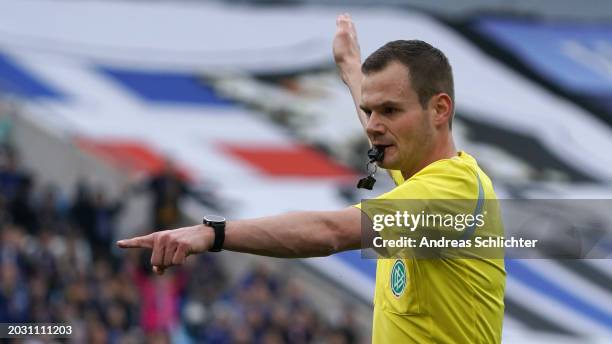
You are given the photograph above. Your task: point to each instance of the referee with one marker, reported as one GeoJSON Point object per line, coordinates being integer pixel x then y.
{"type": "Point", "coordinates": [404, 97]}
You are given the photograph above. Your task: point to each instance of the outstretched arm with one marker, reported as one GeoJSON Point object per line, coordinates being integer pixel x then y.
{"type": "Point", "coordinates": [292, 235]}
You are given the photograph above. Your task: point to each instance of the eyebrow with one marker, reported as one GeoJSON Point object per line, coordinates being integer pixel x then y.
{"type": "Point", "coordinates": [387, 103]}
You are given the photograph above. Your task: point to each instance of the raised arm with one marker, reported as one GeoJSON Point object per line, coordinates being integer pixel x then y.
{"type": "Point", "coordinates": [292, 235]}
{"type": "Point", "coordinates": [348, 60]}
{"type": "Point", "coordinates": [347, 55]}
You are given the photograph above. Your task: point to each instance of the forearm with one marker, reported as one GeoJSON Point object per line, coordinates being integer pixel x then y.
{"type": "Point", "coordinates": [351, 76]}
{"type": "Point", "coordinates": [295, 235]}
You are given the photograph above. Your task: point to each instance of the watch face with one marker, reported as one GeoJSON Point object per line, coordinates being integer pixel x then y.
{"type": "Point", "coordinates": [214, 218]}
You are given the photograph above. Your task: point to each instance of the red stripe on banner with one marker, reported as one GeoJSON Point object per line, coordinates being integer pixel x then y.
{"type": "Point", "coordinates": [289, 161]}
{"type": "Point", "coordinates": [130, 155]}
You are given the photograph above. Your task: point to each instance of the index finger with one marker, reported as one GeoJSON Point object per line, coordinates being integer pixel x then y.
{"type": "Point", "coordinates": [145, 241]}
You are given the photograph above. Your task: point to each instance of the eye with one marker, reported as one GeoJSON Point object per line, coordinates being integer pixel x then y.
{"type": "Point", "coordinates": [388, 110]}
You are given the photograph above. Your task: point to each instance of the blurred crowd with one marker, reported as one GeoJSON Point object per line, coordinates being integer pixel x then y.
{"type": "Point", "coordinates": [58, 264]}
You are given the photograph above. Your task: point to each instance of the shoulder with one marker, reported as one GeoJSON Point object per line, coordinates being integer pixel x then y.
{"type": "Point", "coordinates": [454, 178]}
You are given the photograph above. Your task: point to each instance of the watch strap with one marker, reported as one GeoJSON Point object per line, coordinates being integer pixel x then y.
{"type": "Point", "coordinates": [219, 229]}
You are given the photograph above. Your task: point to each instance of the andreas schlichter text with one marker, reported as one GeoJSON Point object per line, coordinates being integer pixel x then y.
{"type": "Point", "coordinates": [443, 242]}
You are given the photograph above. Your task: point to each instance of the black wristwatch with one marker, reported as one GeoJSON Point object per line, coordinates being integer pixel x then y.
{"type": "Point", "coordinates": [217, 223]}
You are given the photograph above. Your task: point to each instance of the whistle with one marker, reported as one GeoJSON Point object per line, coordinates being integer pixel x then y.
{"type": "Point", "coordinates": [375, 154]}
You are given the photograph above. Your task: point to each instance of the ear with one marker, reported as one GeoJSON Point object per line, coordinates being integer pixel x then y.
{"type": "Point", "coordinates": [442, 106]}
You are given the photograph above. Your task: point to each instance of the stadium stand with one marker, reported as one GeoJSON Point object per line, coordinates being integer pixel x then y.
{"type": "Point", "coordinates": [56, 267]}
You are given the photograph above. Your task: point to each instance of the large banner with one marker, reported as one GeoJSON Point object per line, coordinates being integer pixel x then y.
{"type": "Point", "coordinates": [576, 57]}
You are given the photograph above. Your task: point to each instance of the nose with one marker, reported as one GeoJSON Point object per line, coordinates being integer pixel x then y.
{"type": "Point", "coordinates": [375, 127]}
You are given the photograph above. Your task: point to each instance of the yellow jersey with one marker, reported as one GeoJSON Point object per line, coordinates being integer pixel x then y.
{"type": "Point", "coordinates": [441, 300]}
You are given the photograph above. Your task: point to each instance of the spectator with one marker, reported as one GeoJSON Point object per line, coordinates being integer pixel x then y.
{"type": "Point", "coordinates": [159, 298]}
{"type": "Point", "coordinates": [105, 215]}
{"type": "Point", "coordinates": [82, 210]}
{"type": "Point", "coordinates": [14, 298]}
{"type": "Point", "coordinates": [95, 216]}
{"type": "Point", "coordinates": [11, 176]}
{"type": "Point", "coordinates": [21, 207]}
{"type": "Point", "coordinates": [168, 188]}
{"type": "Point", "coordinates": [50, 211]}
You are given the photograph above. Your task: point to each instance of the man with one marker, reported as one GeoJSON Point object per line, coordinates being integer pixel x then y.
{"type": "Point", "coordinates": [404, 98]}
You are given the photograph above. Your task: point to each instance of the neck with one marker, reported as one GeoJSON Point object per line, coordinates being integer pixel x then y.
{"type": "Point", "coordinates": [445, 149]}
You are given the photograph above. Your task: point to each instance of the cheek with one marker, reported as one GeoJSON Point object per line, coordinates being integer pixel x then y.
{"type": "Point", "coordinates": [405, 142]}
{"type": "Point", "coordinates": [409, 128]}
{"type": "Point", "coordinates": [414, 132]}
{"type": "Point", "coordinates": [422, 125]}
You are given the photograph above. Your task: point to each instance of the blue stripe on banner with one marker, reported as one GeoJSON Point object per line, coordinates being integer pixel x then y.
{"type": "Point", "coordinates": [354, 260]}
{"type": "Point", "coordinates": [521, 271]}
{"type": "Point", "coordinates": [570, 54]}
{"type": "Point", "coordinates": [16, 80]}
{"type": "Point", "coordinates": [166, 86]}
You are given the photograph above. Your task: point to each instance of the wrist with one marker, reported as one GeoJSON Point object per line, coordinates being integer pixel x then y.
{"type": "Point", "coordinates": [350, 73]}
{"type": "Point", "coordinates": [208, 236]}
{"type": "Point", "coordinates": [217, 227]}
